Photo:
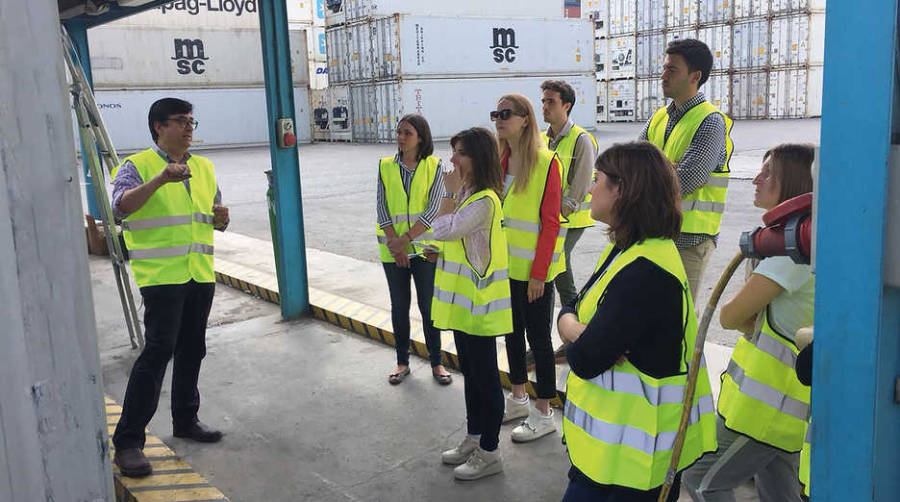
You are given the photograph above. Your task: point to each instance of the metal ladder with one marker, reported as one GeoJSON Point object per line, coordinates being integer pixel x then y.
{"type": "Point", "coordinates": [96, 143]}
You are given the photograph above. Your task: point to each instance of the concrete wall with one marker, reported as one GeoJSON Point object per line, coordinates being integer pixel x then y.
{"type": "Point", "coordinates": [53, 443]}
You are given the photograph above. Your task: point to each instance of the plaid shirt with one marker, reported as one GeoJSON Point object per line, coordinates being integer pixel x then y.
{"type": "Point", "coordinates": [705, 154]}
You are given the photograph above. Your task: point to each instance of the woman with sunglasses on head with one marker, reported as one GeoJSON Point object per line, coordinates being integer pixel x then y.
{"type": "Point", "coordinates": [471, 293]}
{"type": "Point", "coordinates": [532, 194]}
{"type": "Point", "coordinates": [632, 330]}
{"type": "Point", "coordinates": [409, 194]}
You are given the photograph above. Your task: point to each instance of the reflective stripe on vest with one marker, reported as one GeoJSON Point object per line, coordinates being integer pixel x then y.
{"type": "Point", "coordinates": [761, 396]}
{"type": "Point", "coordinates": [805, 454]}
{"type": "Point", "coordinates": [702, 209]}
{"type": "Point", "coordinates": [565, 149]}
{"type": "Point", "coordinates": [523, 231]}
{"type": "Point", "coordinates": [405, 209]}
{"type": "Point", "coordinates": [465, 300]}
{"type": "Point", "coordinates": [170, 238]}
{"type": "Point", "coordinates": [620, 426]}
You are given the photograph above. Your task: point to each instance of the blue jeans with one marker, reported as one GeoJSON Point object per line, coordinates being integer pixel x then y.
{"type": "Point", "coordinates": [422, 272]}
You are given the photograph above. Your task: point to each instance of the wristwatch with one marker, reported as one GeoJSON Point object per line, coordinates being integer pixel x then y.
{"type": "Point", "coordinates": [449, 195]}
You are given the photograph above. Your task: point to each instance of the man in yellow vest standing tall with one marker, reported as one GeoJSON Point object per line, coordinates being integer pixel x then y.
{"type": "Point", "coordinates": [169, 203]}
{"type": "Point", "coordinates": [695, 136]}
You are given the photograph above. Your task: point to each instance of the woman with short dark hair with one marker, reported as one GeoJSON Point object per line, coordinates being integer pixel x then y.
{"type": "Point", "coordinates": [632, 329]}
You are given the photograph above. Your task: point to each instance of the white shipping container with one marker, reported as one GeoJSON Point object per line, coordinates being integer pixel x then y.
{"type": "Point", "coordinates": [622, 19]}
{"type": "Point", "coordinates": [226, 117]}
{"type": "Point", "coordinates": [715, 11]}
{"type": "Point", "coordinates": [338, 52]}
{"type": "Point", "coordinates": [405, 46]}
{"type": "Point", "coordinates": [451, 105]}
{"type": "Point", "coordinates": [355, 10]}
{"type": "Point", "coordinates": [602, 102]}
{"type": "Point", "coordinates": [651, 15]}
{"type": "Point", "coordinates": [359, 43]}
{"type": "Point", "coordinates": [319, 113]}
{"type": "Point", "coordinates": [601, 58]}
{"type": "Point", "coordinates": [316, 45]}
{"type": "Point", "coordinates": [814, 77]}
{"type": "Point", "coordinates": [650, 54]}
{"type": "Point", "coordinates": [797, 6]}
{"type": "Point", "coordinates": [750, 8]}
{"type": "Point", "coordinates": [196, 14]}
{"type": "Point", "coordinates": [621, 97]}
{"type": "Point", "coordinates": [787, 93]}
{"type": "Point", "coordinates": [319, 13]}
{"type": "Point", "coordinates": [318, 75]}
{"type": "Point", "coordinates": [750, 44]}
{"type": "Point", "coordinates": [681, 13]}
{"type": "Point", "coordinates": [621, 57]}
{"type": "Point", "coordinates": [680, 34]}
{"type": "Point", "coordinates": [798, 40]}
{"type": "Point", "coordinates": [334, 13]}
{"type": "Point", "coordinates": [340, 123]}
{"type": "Point", "coordinates": [749, 95]}
{"type": "Point", "coordinates": [299, 11]}
{"type": "Point", "coordinates": [718, 38]}
{"type": "Point", "coordinates": [598, 12]}
{"type": "Point", "coordinates": [717, 90]}
{"type": "Point", "coordinates": [649, 98]}
{"type": "Point", "coordinates": [164, 58]}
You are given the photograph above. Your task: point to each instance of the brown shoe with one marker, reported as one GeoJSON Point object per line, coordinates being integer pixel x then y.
{"type": "Point", "coordinates": [133, 463]}
{"type": "Point", "coordinates": [199, 432]}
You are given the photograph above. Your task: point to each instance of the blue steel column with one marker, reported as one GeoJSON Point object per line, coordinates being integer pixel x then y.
{"type": "Point", "coordinates": [856, 436]}
{"type": "Point", "coordinates": [292, 278]}
{"type": "Point", "coordinates": [78, 33]}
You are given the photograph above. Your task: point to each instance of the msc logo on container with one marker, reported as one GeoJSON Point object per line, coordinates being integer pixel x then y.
{"type": "Point", "coordinates": [189, 56]}
{"type": "Point", "coordinates": [504, 45]}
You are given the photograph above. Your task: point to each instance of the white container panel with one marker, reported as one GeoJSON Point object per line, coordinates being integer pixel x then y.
{"type": "Point", "coordinates": [421, 47]}
{"type": "Point", "coordinates": [134, 57]}
{"type": "Point", "coordinates": [680, 34]}
{"type": "Point", "coordinates": [299, 11]}
{"type": "Point", "coordinates": [598, 12]}
{"type": "Point", "coordinates": [621, 99]}
{"type": "Point", "coordinates": [651, 15]}
{"type": "Point", "coordinates": [718, 38]}
{"type": "Point", "coordinates": [717, 90]}
{"type": "Point", "coordinates": [338, 55]}
{"type": "Point", "coordinates": [359, 55]}
{"type": "Point", "coordinates": [787, 93]}
{"type": "Point", "coordinates": [319, 113]}
{"type": "Point", "coordinates": [242, 122]}
{"type": "Point", "coordinates": [749, 95]}
{"type": "Point", "coordinates": [750, 8]}
{"type": "Point", "coordinates": [621, 57]}
{"type": "Point", "coordinates": [798, 40]}
{"type": "Point", "coordinates": [649, 98]}
{"type": "Point", "coordinates": [334, 14]}
{"type": "Point", "coordinates": [601, 58]}
{"type": "Point", "coordinates": [340, 123]}
{"type": "Point", "coordinates": [319, 13]}
{"type": "Point", "coordinates": [602, 102]}
{"type": "Point", "coordinates": [622, 19]}
{"type": "Point", "coordinates": [715, 11]}
{"type": "Point", "coordinates": [780, 7]}
{"type": "Point", "coordinates": [681, 13]}
{"type": "Point", "coordinates": [814, 91]}
{"type": "Point", "coordinates": [195, 14]}
{"type": "Point", "coordinates": [535, 9]}
{"type": "Point", "coordinates": [318, 75]}
{"type": "Point", "coordinates": [650, 54]}
{"type": "Point", "coordinates": [750, 45]}
{"type": "Point", "coordinates": [316, 44]}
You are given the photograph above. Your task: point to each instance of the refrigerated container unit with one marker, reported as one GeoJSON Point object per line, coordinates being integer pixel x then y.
{"type": "Point", "coordinates": [622, 17]}
{"type": "Point", "coordinates": [349, 11]}
{"type": "Point", "coordinates": [717, 90]}
{"type": "Point", "coordinates": [797, 40]}
{"type": "Point", "coordinates": [681, 13]}
{"type": "Point", "coordinates": [750, 44]}
{"type": "Point", "coordinates": [621, 100]}
{"type": "Point", "coordinates": [795, 93]}
{"type": "Point", "coordinates": [650, 51]}
{"type": "Point", "coordinates": [598, 12]}
{"type": "Point", "coordinates": [747, 9]}
{"type": "Point", "coordinates": [601, 58]}
{"type": "Point", "coordinates": [648, 98]}
{"type": "Point", "coordinates": [337, 53]}
{"type": "Point", "coordinates": [621, 60]}
{"type": "Point", "coordinates": [718, 39]}
{"type": "Point", "coordinates": [319, 113]}
{"type": "Point", "coordinates": [651, 15]}
{"type": "Point", "coordinates": [715, 12]}
{"type": "Point", "coordinates": [781, 7]}
{"type": "Point", "coordinates": [749, 94]}
{"type": "Point", "coordinates": [602, 102]}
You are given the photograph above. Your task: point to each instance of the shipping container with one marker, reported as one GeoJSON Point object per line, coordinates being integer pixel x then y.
{"type": "Point", "coordinates": [749, 94]}
{"type": "Point", "coordinates": [334, 13]}
{"type": "Point", "coordinates": [621, 57]}
{"type": "Point", "coordinates": [348, 11]}
{"type": "Point", "coordinates": [650, 53]}
{"type": "Point", "coordinates": [798, 40]}
{"type": "Point", "coordinates": [622, 19]}
{"type": "Point", "coordinates": [744, 9]}
{"type": "Point", "coordinates": [359, 43]}
{"type": "Point", "coordinates": [717, 90]}
{"type": "Point", "coordinates": [649, 98]}
{"type": "Point", "coordinates": [299, 11]}
{"type": "Point", "coordinates": [196, 14]}
{"type": "Point", "coordinates": [787, 93]}
{"type": "Point", "coordinates": [315, 41]}
{"type": "Point", "coordinates": [319, 114]}
{"type": "Point", "coordinates": [338, 55]}
{"type": "Point", "coordinates": [318, 75]}
{"type": "Point", "coordinates": [602, 103]}
{"type": "Point", "coordinates": [598, 12]}
{"type": "Point", "coordinates": [406, 46]}
{"type": "Point", "coordinates": [718, 38]}
{"type": "Point", "coordinates": [621, 97]}
{"type": "Point", "coordinates": [715, 11]}
{"type": "Point", "coordinates": [226, 117]}
{"type": "Point", "coordinates": [680, 34]}
{"type": "Point", "coordinates": [135, 57]}
{"type": "Point", "coordinates": [451, 105]}
{"type": "Point", "coordinates": [750, 44]}
{"type": "Point", "coordinates": [651, 15]}
{"type": "Point", "coordinates": [681, 13]}
{"type": "Point", "coordinates": [601, 58]}
{"type": "Point", "coordinates": [780, 7]}
{"type": "Point", "coordinates": [340, 123]}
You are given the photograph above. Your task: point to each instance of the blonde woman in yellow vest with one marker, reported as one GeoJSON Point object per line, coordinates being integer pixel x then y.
{"type": "Point", "coordinates": [471, 294]}
{"type": "Point", "coordinates": [532, 196]}
{"type": "Point", "coordinates": [169, 203]}
{"type": "Point", "coordinates": [409, 192]}
{"type": "Point", "coordinates": [763, 407]}
{"type": "Point", "coordinates": [632, 330]}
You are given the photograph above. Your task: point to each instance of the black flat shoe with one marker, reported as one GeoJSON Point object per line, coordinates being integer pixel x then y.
{"type": "Point", "coordinates": [199, 432]}
{"type": "Point", "coordinates": [443, 379]}
{"type": "Point", "coordinates": [397, 378]}
{"type": "Point", "coordinates": [132, 463]}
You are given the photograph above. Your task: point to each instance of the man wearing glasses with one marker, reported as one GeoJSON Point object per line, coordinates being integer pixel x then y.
{"type": "Point", "coordinates": [169, 203]}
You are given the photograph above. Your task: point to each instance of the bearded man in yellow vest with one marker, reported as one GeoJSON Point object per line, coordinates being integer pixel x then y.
{"type": "Point", "coordinates": [695, 136]}
{"type": "Point", "coordinates": [169, 203]}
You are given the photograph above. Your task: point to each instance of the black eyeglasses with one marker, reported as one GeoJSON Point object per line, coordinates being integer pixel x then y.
{"type": "Point", "coordinates": [184, 121]}
{"type": "Point", "coordinates": [504, 114]}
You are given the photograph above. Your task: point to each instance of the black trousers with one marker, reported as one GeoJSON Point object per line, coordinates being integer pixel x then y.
{"type": "Point", "coordinates": [484, 395]}
{"type": "Point", "coordinates": [175, 317]}
{"type": "Point", "coordinates": [534, 321]}
{"type": "Point", "coordinates": [422, 272]}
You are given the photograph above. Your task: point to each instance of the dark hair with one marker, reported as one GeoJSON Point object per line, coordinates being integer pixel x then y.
{"type": "Point", "coordinates": [695, 53]}
{"type": "Point", "coordinates": [792, 167]}
{"type": "Point", "coordinates": [649, 203]}
{"type": "Point", "coordinates": [566, 93]}
{"type": "Point", "coordinates": [423, 130]}
{"type": "Point", "coordinates": [164, 108]}
{"type": "Point", "coordinates": [480, 145]}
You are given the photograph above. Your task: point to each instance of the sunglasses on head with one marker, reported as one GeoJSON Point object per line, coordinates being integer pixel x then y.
{"type": "Point", "coordinates": [503, 114]}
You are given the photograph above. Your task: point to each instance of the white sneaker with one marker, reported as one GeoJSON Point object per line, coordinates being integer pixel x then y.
{"type": "Point", "coordinates": [480, 464]}
{"type": "Point", "coordinates": [461, 453]}
{"type": "Point", "coordinates": [514, 409]}
{"type": "Point", "coordinates": [536, 426]}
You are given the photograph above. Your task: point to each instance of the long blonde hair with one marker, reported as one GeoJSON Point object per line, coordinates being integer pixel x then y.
{"type": "Point", "coordinates": [530, 142]}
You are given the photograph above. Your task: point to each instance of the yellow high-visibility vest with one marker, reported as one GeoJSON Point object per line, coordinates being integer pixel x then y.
{"type": "Point", "coordinates": [565, 149]}
{"type": "Point", "coordinates": [404, 208]}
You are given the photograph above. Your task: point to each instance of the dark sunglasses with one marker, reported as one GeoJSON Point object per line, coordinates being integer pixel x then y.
{"type": "Point", "coordinates": [504, 114]}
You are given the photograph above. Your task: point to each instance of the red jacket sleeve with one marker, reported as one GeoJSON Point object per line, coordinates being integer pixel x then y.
{"type": "Point", "coordinates": [549, 223]}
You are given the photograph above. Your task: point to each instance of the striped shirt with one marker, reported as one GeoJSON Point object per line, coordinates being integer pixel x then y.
{"type": "Point", "coordinates": [705, 154]}
{"type": "Point", "coordinates": [383, 215]}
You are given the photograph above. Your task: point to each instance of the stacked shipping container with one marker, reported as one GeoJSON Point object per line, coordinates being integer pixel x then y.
{"type": "Point", "coordinates": [767, 54]}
